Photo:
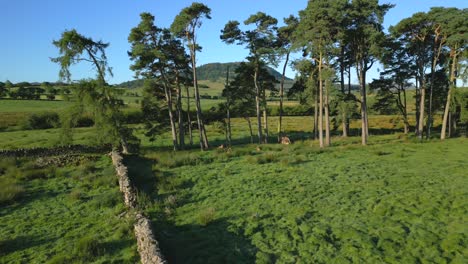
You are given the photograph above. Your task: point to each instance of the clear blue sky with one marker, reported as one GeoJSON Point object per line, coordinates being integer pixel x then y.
{"type": "Point", "coordinates": [28, 27]}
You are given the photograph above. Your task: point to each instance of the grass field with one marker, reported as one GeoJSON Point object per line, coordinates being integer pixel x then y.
{"type": "Point", "coordinates": [394, 201]}
{"type": "Point", "coordinates": [63, 214]}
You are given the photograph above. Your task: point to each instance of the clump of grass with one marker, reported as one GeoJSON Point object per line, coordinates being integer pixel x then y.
{"type": "Point", "coordinates": [206, 216]}
{"type": "Point", "coordinates": [144, 200]}
{"type": "Point", "coordinates": [172, 160]}
{"type": "Point", "coordinates": [10, 190]}
{"type": "Point", "coordinates": [171, 200]}
{"type": "Point", "coordinates": [76, 195]}
{"type": "Point", "coordinates": [88, 248]}
{"type": "Point", "coordinates": [268, 157]}
{"type": "Point", "coordinates": [108, 199]}
{"type": "Point", "coordinates": [31, 174]}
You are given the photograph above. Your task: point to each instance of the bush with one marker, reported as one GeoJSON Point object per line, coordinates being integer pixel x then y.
{"type": "Point", "coordinates": [85, 121]}
{"type": "Point", "coordinates": [133, 117]}
{"type": "Point", "coordinates": [9, 190]}
{"type": "Point", "coordinates": [88, 248]}
{"type": "Point", "coordinates": [42, 121]}
{"type": "Point", "coordinates": [206, 216]}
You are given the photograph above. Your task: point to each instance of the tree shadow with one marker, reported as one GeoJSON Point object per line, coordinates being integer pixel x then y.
{"type": "Point", "coordinates": [191, 243]}
{"type": "Point", "coordinates": [26, 198]}
{"type": "Point", "coordinates": [140, 172]}
{"type": "Point", "coordinates": [194, 243]}
{"type": "Point", "coordinates": [20, 243]}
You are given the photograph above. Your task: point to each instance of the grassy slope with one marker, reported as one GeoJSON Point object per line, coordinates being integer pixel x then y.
{"type": "Point", "coordinates": [394, 201]}
{"type": "Point", "coordinates": [64, 215]}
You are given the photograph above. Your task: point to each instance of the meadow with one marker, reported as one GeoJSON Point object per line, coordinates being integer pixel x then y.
{"type": "Point", "coordinates": [63, 212]}
{"type": "Point", "coordinates": [395, 201]}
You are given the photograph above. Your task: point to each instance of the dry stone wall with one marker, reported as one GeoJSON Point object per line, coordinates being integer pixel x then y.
{"type": "Point", "coordinates": [148, 247]}
{"type": "Point", "coordinates": [57, 151]}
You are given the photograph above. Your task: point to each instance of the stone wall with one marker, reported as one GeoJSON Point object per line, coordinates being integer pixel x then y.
{"type": "Point", "coordinates": [148, 247]}
{"type": "Point", "coordinates": [57, 151]}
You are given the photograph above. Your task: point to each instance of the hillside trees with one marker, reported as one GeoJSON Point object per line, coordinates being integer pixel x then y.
{"type": "Point", "coordinates": [316, 33]}
{"type": "Point", "coordinates": [394, 81]}
{"type": "Point", "coordinates": [365, 36]}
{"type": "Point", "coordinates": [95, 94]}
{"type": "Point", "coordinates": [454, 27]}
{"type": "Point", "coordinates": [285, 35]}
{"type": "Point", "coordinates": [158, 56]}
{"type": "Point", "coordinates": [184, 26]}
{"type": "Point", "coordinates": [306, 86]}
{"type": "Point", "coordinates": [241, 91]}
{"type": "Point", "coordinates": [261, 44]}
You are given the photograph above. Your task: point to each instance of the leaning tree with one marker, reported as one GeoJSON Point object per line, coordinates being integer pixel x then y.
{"type": "Point", "coordinates": [95, 93]}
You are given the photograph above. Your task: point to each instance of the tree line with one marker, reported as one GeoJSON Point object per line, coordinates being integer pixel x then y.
{"type": "Point", "coordinates": [335, 38]}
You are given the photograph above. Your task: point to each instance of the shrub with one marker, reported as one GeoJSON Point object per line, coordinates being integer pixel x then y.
{"type": "Point", "coordinates": [31, 174]}
{"type": "Point", "coordinates": [9, 190]}
{"type": "Point", "coordinates": [76, 195]}
{"type": "Point", "coordinates": [42, 121]}
{"type": "Point", "coordinates": [85, 121]}
{"type": "Point", "coordinates": [206, 216]}
{"type": "Point", "coordinates": [88, 248]}
{"type": "Point", "coordinates": [133, 117]}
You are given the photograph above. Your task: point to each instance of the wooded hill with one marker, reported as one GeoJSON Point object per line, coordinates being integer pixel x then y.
{"type": "Point", "coordinates": [211, 72]}
{"type": "Point", "coordinates": [217, 71]}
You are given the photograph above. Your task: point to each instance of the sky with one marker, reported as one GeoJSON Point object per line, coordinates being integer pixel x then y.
{"type": "Point", "coordinates": [28, 28]}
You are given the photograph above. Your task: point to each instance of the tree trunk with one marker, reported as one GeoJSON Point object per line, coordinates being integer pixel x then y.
{"type": "Point", "coordinates": [349, 93]}
{"type": "Point", "coordinates": [257, 105]}
{"type": "Point", "coordinates": [250, 129]}
{"type": "Point", "coordinates": [265, 118]}
{"type": "Point", "coordinates": [422, 103]}
{"type": "Point", "coordinates": [418, 97]}
{"type": "Point", "coordinates": [405, 113]}
{"type": "Point", "coordinates": [453, 69]}
{"type": "Point", "coordinates": [179, 114]}
{"type": "Point", "coordinates": [201, 125]}
{"type": "Point", "coordinates": [342, 84]}
{"type": "Point", "coordinates": [364, 120]}
{"type": "Point", "coordinates": [316, 106]}
{"type": "Point", "coordinates": [167, 93]}
{"type": "Point", "coordinates": [320, 102]}
{"type": "Point", "coordinates": [189, 120]}
{"type": "Point", "coordinates": [228, 125]}
{"type": "Point", "coordinates": [327, 116]}
{"type": "Point", "coordinates": [280, 119]}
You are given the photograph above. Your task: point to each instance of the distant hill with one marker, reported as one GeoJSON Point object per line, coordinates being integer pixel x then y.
{"type": "Point", "coordinates": [209, 72]}
{"type": "Point", "coordinates": [217, 71]}
{"type": "Point", "coordinates": [131, 84]}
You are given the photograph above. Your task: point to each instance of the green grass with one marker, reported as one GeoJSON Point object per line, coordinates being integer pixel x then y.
{"type": "Point", "coordinates": [394, 201]}
{"type": "Point", "coordinates": [42, 138]}
{"type": "Point", "coordinates": [67, 214]}
{"type": "Point", "coordinates": [14, 106]}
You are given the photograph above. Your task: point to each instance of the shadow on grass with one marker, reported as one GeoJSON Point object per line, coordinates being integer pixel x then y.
{"type": "Point", "coordinates": [193, 243]}
{"type": "Point", "coordinates": [212, 243]}
{"type": "Point", "coordinates": [25, 199]}
{"type": "Point", "coordinates": [20, 243]}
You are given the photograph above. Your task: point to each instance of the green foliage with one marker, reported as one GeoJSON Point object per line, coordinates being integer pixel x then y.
{"type": "Point", "coordinates": [73, 46]}
{"type": "Point", "coordinates": [43, 120]}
